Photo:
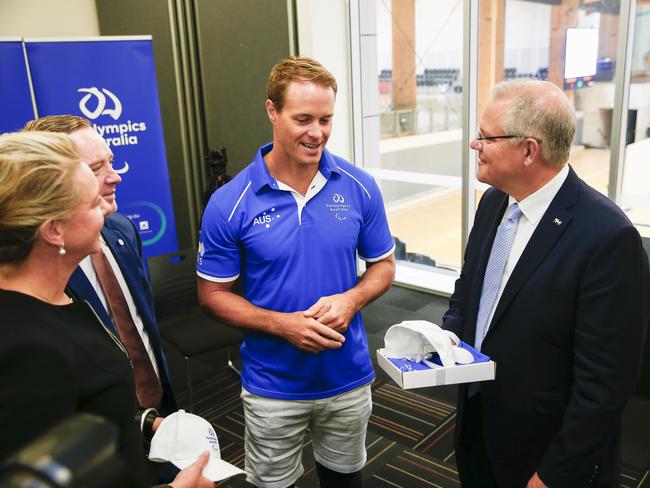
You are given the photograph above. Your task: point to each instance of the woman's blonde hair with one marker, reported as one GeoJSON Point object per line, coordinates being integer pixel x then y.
{"type": "Point", "coordinates": [36, 184]}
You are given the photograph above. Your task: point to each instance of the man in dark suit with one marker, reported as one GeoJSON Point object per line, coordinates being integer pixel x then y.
{"type": "Point", "coordinates": [555, 288]}
{"type": "Point", "coordinates": [122, 247]}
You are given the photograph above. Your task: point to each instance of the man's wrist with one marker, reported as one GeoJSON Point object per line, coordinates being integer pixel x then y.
{"type": "Point", "coordinates": [356, 297]}
{"type": "Point", "coordinates": [276, 322]}
{"type": "Point", "coordinates": [146, 419]}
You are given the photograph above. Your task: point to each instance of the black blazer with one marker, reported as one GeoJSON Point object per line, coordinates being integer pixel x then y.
{"type": "Point", "coordinates": [567, 337]}
{"type": "Point", "coordinates": [59, 360]}
{"type": "Point", "coordinates": [124, 242]}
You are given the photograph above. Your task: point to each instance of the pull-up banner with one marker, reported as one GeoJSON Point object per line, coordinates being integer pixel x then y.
{"type": "Point", "coordinates": [112, 82]}
{"type": "Point", "coordinates": [15, 99]}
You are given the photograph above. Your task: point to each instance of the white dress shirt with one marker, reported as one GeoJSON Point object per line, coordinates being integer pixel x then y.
{"type": "Point", "coordinates": [533, 208]}
{"type": "Point", "coordinates": [87, 267]}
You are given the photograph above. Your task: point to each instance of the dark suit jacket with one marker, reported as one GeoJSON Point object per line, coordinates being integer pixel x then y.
{"type": "Point", "coordinates": [566, 336]}
{"type": "Point", "coordinates": [125, 244]}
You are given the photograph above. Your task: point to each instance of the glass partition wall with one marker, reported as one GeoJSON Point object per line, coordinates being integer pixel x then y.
{"type": "Point", "coordinates": [419, 87]}
{"type": "Point", "coordinates": [422, 72]}
{"type": "Point", "coordinates": [635, 187]}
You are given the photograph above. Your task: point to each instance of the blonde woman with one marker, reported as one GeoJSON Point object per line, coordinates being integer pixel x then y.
{"type": "Point", "coordinates": [56, 357]}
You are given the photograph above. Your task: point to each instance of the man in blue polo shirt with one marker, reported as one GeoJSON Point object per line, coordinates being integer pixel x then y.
{"type": "Point", "coordinates": [290, 226]}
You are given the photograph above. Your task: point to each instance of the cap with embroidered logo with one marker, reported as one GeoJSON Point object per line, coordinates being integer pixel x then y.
{"type": "Point", "coordinates": [182, 437]}
{"type": "Point", "coordinates": [417, 339]}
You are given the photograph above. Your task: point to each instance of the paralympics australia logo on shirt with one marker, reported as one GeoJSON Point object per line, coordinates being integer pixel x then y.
{"type": "Point", "coordinates": [266, 218]}
{"type": "Point", "coordinates": [97, 102]}
{"type": "Point", "coordinates": [338, 207]}
{"type": "Point", "coordinates": [199, 255]}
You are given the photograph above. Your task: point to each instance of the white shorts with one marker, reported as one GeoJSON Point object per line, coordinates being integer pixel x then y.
{"type": "Point", "coordinates": [275, 432]}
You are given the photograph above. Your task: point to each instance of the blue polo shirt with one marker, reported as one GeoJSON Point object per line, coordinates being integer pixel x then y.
{"type": "Point", "coordinates": [289, 251]}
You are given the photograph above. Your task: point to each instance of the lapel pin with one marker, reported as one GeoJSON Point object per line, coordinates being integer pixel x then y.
{"type": "Point", "coordinates": [121, 242]}
{"type": "Point", "coordinates": [557, 221]}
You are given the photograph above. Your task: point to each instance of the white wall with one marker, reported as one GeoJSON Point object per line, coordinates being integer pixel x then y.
{"type": "Point", "coordinates": [48, 18]}
{"type": "Point", "coordinates": [527, 48]}
{"type": "Point", "coordinates": [641, 44]}
{"type": "Point", "coordinates": [438, 34]}
{"type": "Point", "coordinates": [323, 33]}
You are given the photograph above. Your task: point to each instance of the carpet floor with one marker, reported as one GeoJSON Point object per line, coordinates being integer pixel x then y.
{"type": "Point", "coordinates": [409, 442]}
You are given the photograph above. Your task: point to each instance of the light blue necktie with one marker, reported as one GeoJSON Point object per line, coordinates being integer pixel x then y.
{"type": "Point", "coordinates": [494, 271]}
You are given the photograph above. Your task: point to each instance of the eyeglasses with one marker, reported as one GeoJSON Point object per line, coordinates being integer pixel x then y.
{"type": "Point", "coordinates": [479, 138]}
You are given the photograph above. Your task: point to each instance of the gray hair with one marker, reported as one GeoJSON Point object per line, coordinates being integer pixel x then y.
{"type": "Point", "coordinates": [541, 110]}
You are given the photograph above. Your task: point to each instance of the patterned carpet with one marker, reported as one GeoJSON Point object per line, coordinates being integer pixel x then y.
{"type": "Point", "coordinates": [409, 443]}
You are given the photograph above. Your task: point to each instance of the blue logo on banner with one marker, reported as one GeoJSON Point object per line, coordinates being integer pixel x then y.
{"type": "Point", "coordinates": [149, 217]}
{"type": "Point", "coordinates": [113, 84]}
{"type": "Point", "coordinates": [15, 99]}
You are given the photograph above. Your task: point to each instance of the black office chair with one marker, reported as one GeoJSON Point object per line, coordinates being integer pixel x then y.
{"type": "Point", "coordinates": [180, 319]}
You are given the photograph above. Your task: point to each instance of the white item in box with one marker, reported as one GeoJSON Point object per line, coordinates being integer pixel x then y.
{"type": "Point", "coordinates": [440, 375]}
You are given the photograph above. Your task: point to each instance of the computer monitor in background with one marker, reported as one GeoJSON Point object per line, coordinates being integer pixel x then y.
{"type": "Point", "coordinates": [580, 57]}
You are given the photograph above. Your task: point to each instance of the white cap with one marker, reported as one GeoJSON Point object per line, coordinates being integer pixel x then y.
{"type": "Point", "coordinates": [415, 339]}
{"type": "Point", "coordinates": [182, 437]}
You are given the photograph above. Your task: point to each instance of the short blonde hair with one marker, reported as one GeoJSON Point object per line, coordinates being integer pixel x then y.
{"type": "Point", "coordinates": [36, 184]}
{"type": "Point", "coordinates": [57, 123]}
{"type": "Point", "coordinates": [296, 68]}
